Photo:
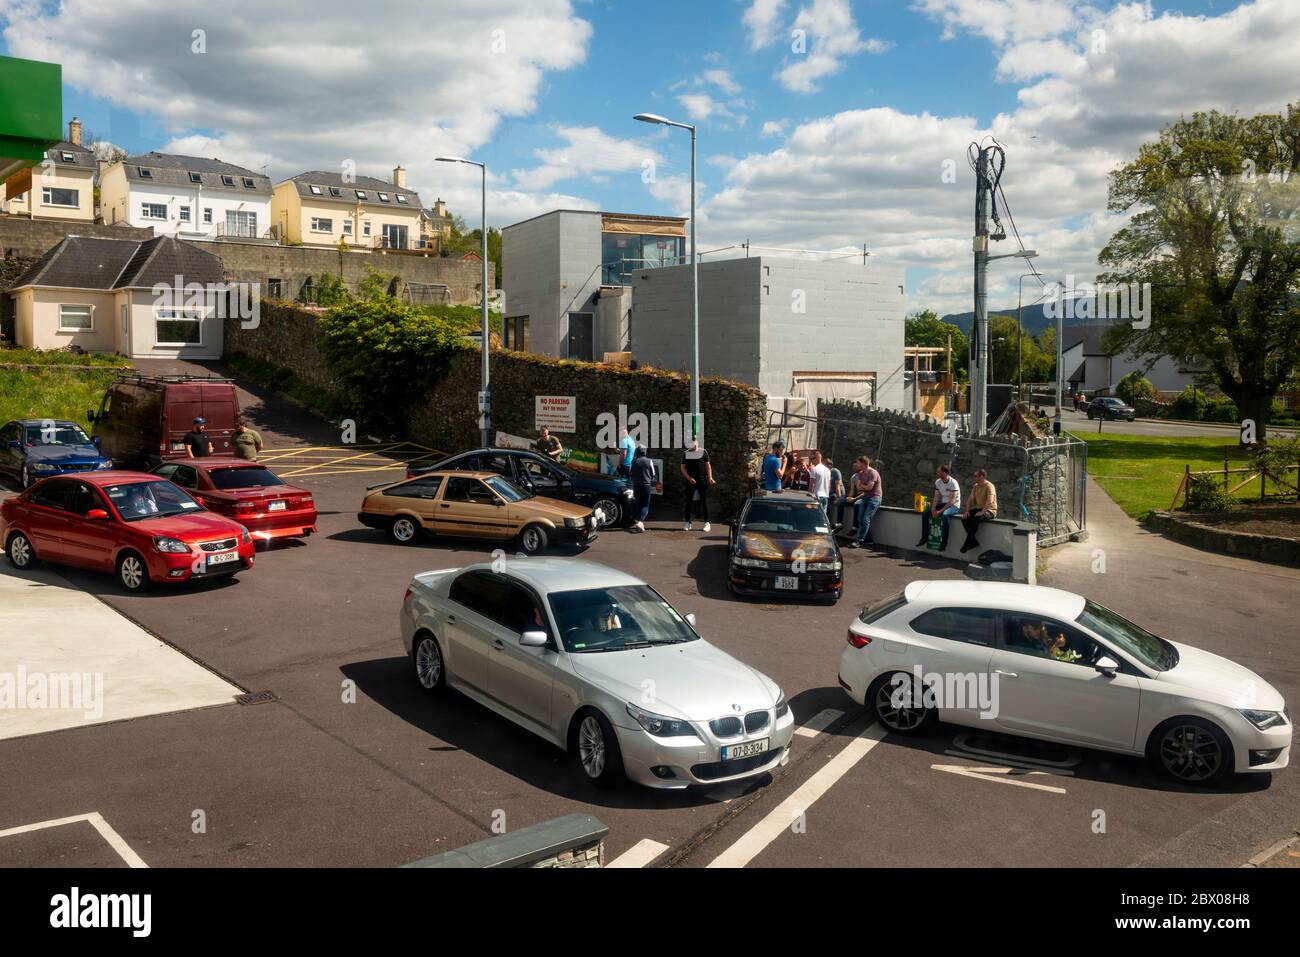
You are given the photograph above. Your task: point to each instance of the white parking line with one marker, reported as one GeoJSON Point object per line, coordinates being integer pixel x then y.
{"type": "Point", "coordinates": [757, 838]}
{"type": "Point", "coordinates": [96, 820]}
{"type": "Point", "coordinates": [984, 775]}
{"type": "Point", "coordinates": [639, 854]}
{"type": "Point", "coordinates": [818, 723]}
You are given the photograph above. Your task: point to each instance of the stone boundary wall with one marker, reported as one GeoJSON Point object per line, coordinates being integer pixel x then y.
{"type": "Point", "coordinates": [1262, 548]}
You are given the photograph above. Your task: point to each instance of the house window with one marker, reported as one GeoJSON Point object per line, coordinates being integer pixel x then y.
{"type": "Point", "coordinates": [207, 215]}
{"type": "Point", "coordinates": [248, 183]}
{"type": "Point", "coordinates": [145, 172]}
{"type": "Point", "coordinates": [322, 225]}
{"type": "Point", "coordinates": [67, 157]}
{"type": "Point", "coordinates": [347, 227]}
{"type": "Point", "coordinates": [184, 213]}
{"type": "Point", "coordinates": [75, 318]}
{"type": "Point", "coordinates": [178, 327]}
{"type": "Point", "coordinates": [241, 223]}
{"type": "Point", "coordinates": [195, 178]}
{"type": "Point", "coordinates": [365, 228]}
{"type": "Point", "coordinates": [227, 181]}
{"type": "Point", "coordinates": [336, 192]}
{"type": "Point", "coordinates": [361, 194]}
{"type": "Point", "coordinates": [315, 190]}
{"type": "Point", "coordinates": [383, 197]}
{"type": "Point", "coordinates": [516, 333]}
{"type": "Point", "coordinates": [51, 196]}
{"type": "Point", "coordinates": [153, 210]}
{"type": "Point", "coordinates": [402, 199]}
{"type": "Point", "coordinates": [275, 288]}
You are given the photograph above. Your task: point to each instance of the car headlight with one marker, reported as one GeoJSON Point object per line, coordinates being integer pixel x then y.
{"type": "Point", "coordinates": [1263, 719]}
{"type": "Point", "coordinates": [782, 706]}
{"type": "Point", "coordinates": [573, 523]}
{"type": "Point", "coordinates": [749, 562]}
{"type": "Point", "coordinates": [824, 566]}
{"type": "Point", "coordinates": [171, 546]}
{"type": "Point", "coordinates": [44, 467]}
{"type": "Point", "coordinates": [244, 537]}
{"type": "Point", "coordinates": [106, 464]}
{"type": "Point", "coordinates": [661, 727]}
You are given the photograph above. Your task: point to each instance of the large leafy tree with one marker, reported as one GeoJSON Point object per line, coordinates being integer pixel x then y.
{"type": "Point", "coordinates": [1215, 229]}
{"type": "Point", "coordinates": [925, 328]}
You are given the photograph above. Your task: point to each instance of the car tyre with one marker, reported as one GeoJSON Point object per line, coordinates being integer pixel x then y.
{"type": "Point", "coordinates": [898, 716]}
{"type": "Point", "coordinates": [1191, 750]}
{"type": "Point", "coordinates": [403, 530]}
{"type": "Point", "coordinates": [532, 539]}
{"type": "Point", "coordinates": [132, 572]}
{"type": "Point", "coordinates": [612, 510]}
{"type": "Point", "coordinates": [20, 551]}
{"type": "Point", "coordinates": [430, 667]}
{"type": "Point", "coordinates": [596, 745]}
{"type": "Point", "coordinates": [25, 478]}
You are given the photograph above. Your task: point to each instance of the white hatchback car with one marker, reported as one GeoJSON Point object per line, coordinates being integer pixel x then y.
{"type": "Point", "coordinates": [599, 664]}
{"type": "Point", "coordinates": [1049, 664]}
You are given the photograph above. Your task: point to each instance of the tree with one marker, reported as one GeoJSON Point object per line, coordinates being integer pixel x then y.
{"type": "Point", "coordinates": [1214, 230]}
{"type": "Point", "coordinates": [461, 241]}
{"type": "Point", "coordinates": [925, 328]}
{"type": "Point", "coordinates": [1135, 386]}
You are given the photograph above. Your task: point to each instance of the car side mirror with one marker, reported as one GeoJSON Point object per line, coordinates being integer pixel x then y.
{"type": "Point", "coordinates": [97, 515]}
{"type": "Point", "coordinates": [96, 441]}
{"type": "Point", "coordinates": [534, 639]}
{"type": "Point", "coordinates": [1107, 666]}
{"type": "Point", "coordinates": [690, 619]}
{"type": "Point", "coordinates": [15, 444]}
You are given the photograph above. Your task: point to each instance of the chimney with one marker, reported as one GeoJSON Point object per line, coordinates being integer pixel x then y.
{"type": "Point", "coordinates": [74, 131]}
{"type": "Point", "coordinates": [399, 177]}
{"type": "Point", "coordinates": [440, 208]}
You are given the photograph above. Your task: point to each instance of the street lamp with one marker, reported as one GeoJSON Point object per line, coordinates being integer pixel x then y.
{"type": "Point", "coordinates": [485, 390]}
{"type": "Point", "coordinates": [695, 276]}
{"type": "Point", "coordinates": [980, 334]}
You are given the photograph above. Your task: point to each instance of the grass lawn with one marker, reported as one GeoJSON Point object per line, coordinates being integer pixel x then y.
{"type": "Point", "coordinates": [1142, 472]}
{"type": "Point", "coordinates": [51, 391]}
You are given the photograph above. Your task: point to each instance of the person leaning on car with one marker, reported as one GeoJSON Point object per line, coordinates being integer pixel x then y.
{"type": "Point", "coordinates": [246, 442]}
{"type": "Point", "coordinates": [197, 441]}
{"type": "Point", "coordinates": [549, 445]}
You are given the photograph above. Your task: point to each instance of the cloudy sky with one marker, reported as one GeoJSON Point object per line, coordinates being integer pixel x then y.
{"type": "Point", "coordinates": [823, 124]}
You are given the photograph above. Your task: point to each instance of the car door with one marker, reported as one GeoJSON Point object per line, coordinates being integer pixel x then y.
{"type": "Point", "coordinates": [519, 676]}
{"type": "Point", "coordinates": [89, 542]}
{"type": "Point", "coordinates": [545, 479]}
{"type": "Point", "coordinates": [467, 507]}
{"type": "Point", "coordinates": [958, 648]}
{"type": "Point", "coordinates": [48, 517]}
{"type": "Point", "coordinates": [1066, 700]}
{"type": "Point", "coordinates": [476, 597]}
{"type": "Point", "coordinates": [10, 457]}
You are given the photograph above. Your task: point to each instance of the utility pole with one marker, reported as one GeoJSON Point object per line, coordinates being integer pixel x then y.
{"type": "Point", "coordinates": [979, 372]}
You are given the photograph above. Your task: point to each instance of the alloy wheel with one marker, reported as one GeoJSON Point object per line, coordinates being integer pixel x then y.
{"type": "Point", "coordinates": [895, 707]}
{"type": "Point", "coordinates": [532, 540]}
{"type": "Point", "coordinates": [20, 551]}
{"type": "Point", "coordinates": [403, 530]}
{"type": "Point", "coordinates": [1191, 753]}
{"type": "Point", "coordinates": [26, 477]}
{"type": "Point", "coordinates": [132, 572]}
{"type": "Point", "coordinates": [428, 664]}
{"type": "Point", "coordinates": [591, 747]}
{"type": "Point", "coordinates": [611, 510]}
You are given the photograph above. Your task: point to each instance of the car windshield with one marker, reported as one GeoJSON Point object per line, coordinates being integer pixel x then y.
{"type": "Point", "coordinates": [56, 435]}
{"type": "Point", "coordinates": [616, 619]}
{"type": "Point", "coordinates": [138, 500]}
{"type": "Point", "coordinates": [1155, 653]}
{"type": "Point", "coordinates": [784, 517]}
{"type": "Point", "coordinates": [243, 476]}
{"type": "Point", "coordinates": [506, 489]}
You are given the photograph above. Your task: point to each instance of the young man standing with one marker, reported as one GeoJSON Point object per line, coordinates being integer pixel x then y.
{"type": "Point", "coordinates": [945, 504]}
{"type": "Point", "coordinates": [837, 495]}
{"type": "Point", "coordinates": [819, 482]}
{"type": "Point", "coordinates": [197, 442]}
{"type": "Point", "coordinates": [983, 506]}
{"type": "Point", "coordinates": [246, 442]}
{"type": "Point", "coordinates": [698, 472]}
{"type": "Point", "coordinates": [643, 484]}
{"type": "Point", "coordinates": [797, 476]}
{"type": "Point", "coordinates": [628, 448]}
{"type": "Point", "coordinates": [774, 467]}
{"type": "Point", "coordinates": [867, 493]}
{"type": "Point", "coordinates": [549, 445]}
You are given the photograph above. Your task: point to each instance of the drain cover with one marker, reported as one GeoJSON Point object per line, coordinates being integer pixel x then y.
{"type": "Point", "coordinates": [256, 697]}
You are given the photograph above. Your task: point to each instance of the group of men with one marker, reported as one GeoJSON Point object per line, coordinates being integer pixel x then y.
{"type": "Point", "coordinates": [246, 443]}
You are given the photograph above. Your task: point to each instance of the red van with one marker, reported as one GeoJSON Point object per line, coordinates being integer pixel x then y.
{"type": "Point", "coordinates": [143, 419]}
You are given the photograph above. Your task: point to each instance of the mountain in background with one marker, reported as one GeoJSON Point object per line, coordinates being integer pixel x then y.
{"type": "Point", "coordinates": [1035, 319]}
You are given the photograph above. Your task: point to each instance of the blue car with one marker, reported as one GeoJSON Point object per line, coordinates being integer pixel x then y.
{"type": "Point", "coordinates": [33, 449]}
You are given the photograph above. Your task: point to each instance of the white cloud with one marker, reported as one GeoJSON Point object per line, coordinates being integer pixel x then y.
{"type": "Point", "coordinates": [587, 150]}
{"type": "Point", "coordinates": [775, 128]}
{"type": "Point", "coordinates": [824, 34]}
{"type": "Point", "coordinates": [700, 106]}
{"type": "Point", "coordinates": [763, 20]}
{"type": "Point", "coordinates": [1001, 20]}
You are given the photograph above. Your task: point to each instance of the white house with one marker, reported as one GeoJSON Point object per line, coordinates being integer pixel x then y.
{"type": "Point", "coordinates": [1090, 368]}
{"type": "Point", "coordinates": [186, 197]}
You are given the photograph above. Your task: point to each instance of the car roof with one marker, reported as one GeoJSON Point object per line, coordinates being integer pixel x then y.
{"type": "Point", "coordinates": [111, 477]}
{"type": "Point", "coordinates": [1033, 599]}
{"type": "Point", "coordinates": [785, 495]}
{"type": "Point", "coordinates": [467, 473]}
{"type": "Point", "coordinates": [39, 422]}
{"type": "Point", "coordinates": [555, 574]}
{"type": "Point", "coordinates": [216, 462]}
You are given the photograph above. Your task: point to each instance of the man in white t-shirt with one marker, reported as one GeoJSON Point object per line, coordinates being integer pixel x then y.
{"type": "Point", "coordinates": [944, 505]}
{"type": "Point", "coordinates": [819, 482]}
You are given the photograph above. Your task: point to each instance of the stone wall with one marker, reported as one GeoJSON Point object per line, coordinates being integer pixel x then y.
{"type": "Point", "coordinates": [24, 238]}
{"type": "Point", "coordinates": [907, 449]}
{"type": "Point", "coordinates": [286, 335]}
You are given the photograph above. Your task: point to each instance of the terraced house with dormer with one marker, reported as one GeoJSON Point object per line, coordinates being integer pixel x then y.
{"type": "Point", "coordinates": [319, 208]}
{"type": "Point", "coordinates": [60, 187]}
{"type": "Point", "coordinates": [187, 197]}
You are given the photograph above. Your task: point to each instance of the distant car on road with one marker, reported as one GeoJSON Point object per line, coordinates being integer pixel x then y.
{"type": "Point", "coordinates": [249, 493]}
{"type": "Point", "coordinates": [475, 505]}
{"type": "Point", "coordinates": [141, 527]}
{"type": "Point", "coordinates": [1059, 667]}
{"type": "Point", "coordinates": [1109, 407]}
{"type": "Point", "coordinates": [533, 471]}
{"type": "Point", "coordinates": [781, 546]}
{"type": "Point", "coordinates": [568, 648]}
{"type": "Point", "coordinates": [32, 449]}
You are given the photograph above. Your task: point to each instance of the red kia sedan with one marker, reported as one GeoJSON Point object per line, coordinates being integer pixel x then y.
{"type": "Point", "coordinates": [249, 493]}
{"type": "Point", "coordinates": [137, 525]}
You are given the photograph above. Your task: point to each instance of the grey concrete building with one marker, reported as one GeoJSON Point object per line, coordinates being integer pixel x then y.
{"type": "Point", "coordinates": [566, 276]}
{"type": "Point", "coordinates": [790, 327]}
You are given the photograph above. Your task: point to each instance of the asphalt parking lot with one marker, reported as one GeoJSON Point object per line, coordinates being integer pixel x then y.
{"type": "Point", "coordinates": [351, 765]}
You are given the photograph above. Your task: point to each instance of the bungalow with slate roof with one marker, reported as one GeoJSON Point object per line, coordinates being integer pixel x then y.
{"type": "Point", "coordinates": [100, 295]}
{"type": "Point", "coordinates": [186, 196]}
{"type": "Point", "coordinates": [323, 209]}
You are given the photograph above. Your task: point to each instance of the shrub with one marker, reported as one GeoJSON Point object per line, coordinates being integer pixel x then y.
{"type": "Point", "coordinates": [1221, 409]}
{"type": "Point", "coordinates": [1206, 494]}
{"type": "Point", "coordinates": [1133, 387]}
{"type": "Point", "coordinates": [1190, 404]}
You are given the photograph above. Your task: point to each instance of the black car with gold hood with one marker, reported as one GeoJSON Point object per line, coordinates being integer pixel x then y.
{"type": "Point", "coordinates": [781, 546]}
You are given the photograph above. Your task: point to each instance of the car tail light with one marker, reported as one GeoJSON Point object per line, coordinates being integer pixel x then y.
{"type": "Point", "coordinates": [245, 506]}
{"type": "Point", "coordinates": [410, 473]}
{"type": "Point", "coordinates": [857, 640]}
{"type": "Point", "coordinates": [407, 596]}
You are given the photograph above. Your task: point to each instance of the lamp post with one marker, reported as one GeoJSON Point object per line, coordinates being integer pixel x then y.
{"type": "Point", "coordinates": [695, 276]}
{"type": "Point", "coordinates": [485, 388]}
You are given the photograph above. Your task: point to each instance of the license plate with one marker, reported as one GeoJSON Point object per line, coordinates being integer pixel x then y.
{"type": "Point", "coordinates": [277, 506]}
{"type": "Point", "coordinates": [787, 583]}
{"type": "Point", "coordinates": [223, 558]}
{"type": "Point", "coordinates": [730, 752]}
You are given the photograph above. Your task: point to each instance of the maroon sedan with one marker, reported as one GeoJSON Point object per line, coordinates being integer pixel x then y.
{"type": "Point", "coordinates": [249, 493]}
{"type": "Point", "coordinates": [132, 523]}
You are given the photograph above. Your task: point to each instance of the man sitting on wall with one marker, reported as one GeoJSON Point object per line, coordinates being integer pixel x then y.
{"type": "Point", "coordinates": [982, 507]}
{"type": "Point", "coordinates": [944, 505]}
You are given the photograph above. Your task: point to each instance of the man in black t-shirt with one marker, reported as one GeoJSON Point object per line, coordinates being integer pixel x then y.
{"type": "Point", "coordinates": [197, 441]}
{"type": "Point", "coordinates": [698, 473]}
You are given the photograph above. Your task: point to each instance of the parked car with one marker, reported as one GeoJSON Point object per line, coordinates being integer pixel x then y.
{"type": "Point", "coordinates": [567, 648]}
{"type": "Point", "coordinates": [1062, 668]}
{"type": "Point", "coordinates": [142, 420]}
{"type": "Point", "coordinates": [139, 526]}
{"type": "Point", "coordinates": [1109, 407]}
{"type": "Point", "coordinates": [249, 493]}
{"type": "Point", "coordinates": [475, 505]}
{"type": "Point", "coordinates": [781, 545]}
{"type": "Point", "coordinates": [32, 449]}
{"type": "Point", "coordinates": [536, 473]}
